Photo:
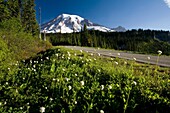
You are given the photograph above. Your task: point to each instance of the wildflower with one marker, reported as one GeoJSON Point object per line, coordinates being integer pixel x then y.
{"type": "Point", "coordinates": [68, 58]}
{"type": "Point", "coordinates": [98, 48]}
{"type": "Point", "coordinates": [5, 103]}
{"type": "Point", "coordinates": [134, 82]}
{"type": "Point", "coordinates": [101, 111]}
{"type": "Point", "coordinates": [47, 58]}
{"type": "Point", "coordinates": [45, 87]}
{"type": "Point", "coordinates": [31, 61]}
{"type": "Point", "coordinates": [111, 59]}
{"type": "Point", "coordinates": [98, 54]}
{"type": "Point", "coordinates": [149, 58]}
{"type": "Point", "coordinates": [81, 51]}
{"type": "Point", "coordinates": [56, 54]}
{"type": "Point", "coordinates": [42, 109]}
{"type": "Point", "coordinates": [6, 83]}
{"type": "Point", "coordinates": [94, 59]}
{"type": "Point", "coordinates": [63, 69]}
{"type": "Point", "coordinates": [69, 87]}
{"type": "Point", "coordinates": [21, 108]}
{"type": "Point", "coordinates": [51, 99]}
{"type": "Point", "coordinates": [110, 87]}
{"type": "Point", "coordinates": [75, 54]}
{"type": "Point", "coordinates": [58, 80]}
{"type": "Point", "coordinates": [0, 103]}
{"type": "Point", "coordinates": [41, 59]}
{"type": "Point", "coordinates": [75, 74]}
{"type": "Point", "coordinates": [8, 68]}
{"type": "Point", "coordinates": [91, 54]}
{"type": "Point", "coordinates": [67, 79]}
{"type": "Point", "coordinates": [118, 54]}
{"type": "Point", "coordinates": [82, 83]}
{"type": "Point", "coordinates": [110, 53]}
{"type": "Point", "coordinates": [99, 70]}
{"type": "Point", "coordinates": [102, 87]}
{"type": "Point", "coordinates": [54, 79]}
{"type": "Point", "coordinates": [159, 52]}
{"type": "Point", "coordinates": [23, 78]}
{"type": "Point", "coordinates": [80, 57]}
{"type": "Point", "coordinates": [33, 66]}
{"type": "Point", "coordinates": [134, 58]}
{"type": "Point", "coordinates": [116, 63]}
{"type": "Point", "coordinates": [75, 102]}
{"type": "Point", "coordinates": [58, 49]}
{"type": "Point", "coordinates": [87, 51]}
{"type": "Point", "coordinates": [125, 62]}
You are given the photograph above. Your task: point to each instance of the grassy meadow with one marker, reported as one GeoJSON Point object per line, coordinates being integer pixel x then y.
{"type": "Point", "coordinates": [65, 80]}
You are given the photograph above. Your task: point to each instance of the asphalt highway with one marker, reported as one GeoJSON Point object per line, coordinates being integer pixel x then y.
{"type": "Point", "coordinates": [143, 58]}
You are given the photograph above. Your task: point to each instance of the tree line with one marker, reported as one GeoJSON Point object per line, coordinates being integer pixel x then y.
{"type": "Point", "coordinates": [144, 41]}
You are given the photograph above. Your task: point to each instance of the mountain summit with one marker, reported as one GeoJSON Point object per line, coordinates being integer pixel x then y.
{"type": "Point", "coordinates": [67, 23]}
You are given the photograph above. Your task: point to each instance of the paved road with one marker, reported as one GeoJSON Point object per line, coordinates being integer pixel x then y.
{"type": "Point", "coordinates": [163, 60]}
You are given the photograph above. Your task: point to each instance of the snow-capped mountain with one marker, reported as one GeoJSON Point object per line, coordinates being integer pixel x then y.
{"type": "Point", "coordinates": [119, 29]}
{"type": "Point", "coordinates": [67, 23]}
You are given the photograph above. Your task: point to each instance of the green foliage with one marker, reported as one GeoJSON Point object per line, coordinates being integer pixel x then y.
{"type": "Point", "coordinates": [60, 80]}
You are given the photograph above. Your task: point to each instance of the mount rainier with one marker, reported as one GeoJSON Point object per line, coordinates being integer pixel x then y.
{"type": "Point", "coordinates": [67, 23]}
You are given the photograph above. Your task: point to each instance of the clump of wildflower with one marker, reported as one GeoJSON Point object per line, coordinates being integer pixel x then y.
{"type": "Point", "coordinates": [67, 79]}
{"type": "Point", "coordinates": [42, 109]}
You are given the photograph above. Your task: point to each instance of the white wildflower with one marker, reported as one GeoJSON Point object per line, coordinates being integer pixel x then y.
{"type": "Point", "coordinates": [56, 54]}
{"type": "Point", "coordinates": [134, 58]}
{"type": "Point", "coordinates": [21, 108]}
{"type": "Point", "coordinates": [31, 61]}
{"type": "Point", "coordinates": [54, 79]}
{"type": "Point", "coordinates": [69, 87]}
{"type": "Point", "coordinates": [87, 51]}
{"type": "Point", "coordinates": [0, 103]}
{"type": "Point", "coordinates": [5, 103]}
{"type": "Point", "coordinates": [42, 109]}
{"type": "Point", "coordinates": [81, 51]}
{"type": "Point", "coordinates": [75, 102]}
{"type": "Point", "coordinates": [101, 111]}
{"type": "Point", "coordinates": [125, 62]}
{"type": "Point", "coordinates": [82, 83]}
{"type": "Point", "coordinates": [98, 48]}
{"type": "Point", "coordinates": [33, 66]}
{"type": "Point", "coordinates": [47, 58]}
{"type": "Point", "coordinates": [67, 79]}
{"type": "Point", "coordinates": [76, 74]}
{"type": "Point", "coordinates": [102, 87]}
{"type": "Point", "coordinates": [75, 54]}
{"type": "Point", "coordinates": [111, 59]}
{"type": "Point", "coordinates": [110, 53]}
{"type": "Point", "coordinates": [118, 54]}
{"type": "Point", "coordinates": [94, 59]}
{"type": "Point", "coordinates": [149, 58]}
{"type": "Point", "coordinates": [99, 70]}
{"type": "Point", "coordinates": [63, 69]}
{"type": "Point", "coordinates": [159, 52]}
{"type": "Point", "coordinates": [8, 68]}
{"type": "Point", "coordinates": [45, 87]}
{"type": "Point", "coordinates": [98, 54]}
{"type": "Point", "coordinates": [134, 82]}
{"type": "Point", "coordinates": [68, 58]}
{"type": "Point", "coordinates": [51, 99]}
{"type": "Point", "coordinates": [116, 63]}
{"type": "Point", "coordinates": [6, 83]}
{"type": "Point", "coordinates": [23, 78]}
{"type": "Point", "coordinates": [91, 54]}
{"type": "Point", "coordinates": [110, 87]}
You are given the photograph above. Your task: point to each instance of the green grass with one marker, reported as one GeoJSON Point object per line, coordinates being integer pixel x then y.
{"type": "Point", "coordinates": [63, 80]}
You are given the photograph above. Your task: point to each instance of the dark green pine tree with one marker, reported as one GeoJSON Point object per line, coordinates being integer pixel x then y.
{"type": "Point", "coordinates": [28, 17]}
{"type": "Point", "coordinates": [84, 36]}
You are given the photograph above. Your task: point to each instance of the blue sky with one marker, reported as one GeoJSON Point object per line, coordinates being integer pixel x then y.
{"type": "Point", "coordinates": [131, 14]}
